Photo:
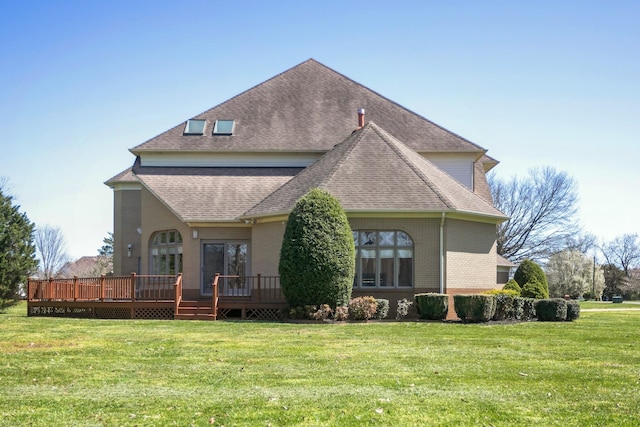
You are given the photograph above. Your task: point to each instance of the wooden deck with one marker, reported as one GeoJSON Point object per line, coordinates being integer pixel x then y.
{"type": "Point", "coordinates": [155, 297]}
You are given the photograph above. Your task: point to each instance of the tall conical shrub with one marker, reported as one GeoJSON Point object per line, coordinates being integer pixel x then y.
{"type": "Point", "coordinates": [317, 258]}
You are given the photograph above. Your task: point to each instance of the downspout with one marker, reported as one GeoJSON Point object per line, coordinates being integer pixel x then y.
{"type": "Point", "coordinates": [442, 253]}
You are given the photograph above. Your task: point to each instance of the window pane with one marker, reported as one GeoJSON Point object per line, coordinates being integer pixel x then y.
{"type": "Point", "coordinates": [355, 238]}
{"type": "Point", "coordinates": [195, 127]}
{"type": "Point", "coordinates": [386, 238]}
{"type": "Point", "coordinates": [386, 267]}
{"type": "Point", "coordinates": [404, 239]}
{"type": "Point", "coordinates": [213, 262]}
{"type": "Point", "coordinates": [368, 267]}
{"type": "Point", "coordinates": [405, 267]}
{"type": "Point", "coordinates": [223, 127]}
{"type": "Point", "coordinates": [368, 238]}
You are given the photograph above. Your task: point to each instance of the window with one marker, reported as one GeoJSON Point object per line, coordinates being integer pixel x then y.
{"type": "Point", "coordinates": [194, 127]}
{"type": "Point", "coordinates": [223, 127]}
{"type": "Point", "coordinates": [384, 259]}
{"type": "Point", "coordinates": [166, 252]}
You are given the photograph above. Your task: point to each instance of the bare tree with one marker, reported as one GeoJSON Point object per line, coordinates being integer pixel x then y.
{"type": "Point", "coordinates": [542, 208]}
{"type": "Point", "coordinates": [51, 250]}
{"type": "Point", "coordinates": [623, 252]}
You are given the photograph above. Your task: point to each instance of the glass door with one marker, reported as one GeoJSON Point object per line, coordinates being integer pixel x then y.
{"type": "Point", "coordinates": [227, 259]}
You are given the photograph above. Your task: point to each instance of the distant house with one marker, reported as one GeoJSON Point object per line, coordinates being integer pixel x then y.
{"type": "Point", "coordinates": [212, 194]}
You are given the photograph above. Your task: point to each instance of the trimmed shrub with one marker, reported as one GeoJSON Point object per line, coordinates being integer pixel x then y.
{"type": "Point", "coordinates": [513, 286]}
{"type": "Point", "coordinates": [573, 310]}
{"type": "Point", "coordinates": [432, 306]}
{"type": "Point", "coordinates": [317, 258]}
{"type": "Point", "coordinates": [528, 271]}
{"type": "Point", "coordinates": [362, 308]}
{"type": "Point", "coordinates": [505, 307]}
{"type": "Point", "coordinates": [534, 290]}
{"type": "Point", "coordinates": [551, 310]}
{"type": "Point", "coordinates": [382, 309]}
{"type": "Point", "coordinates": [475, 308]}
{"type": "Point", "coordinates": [524, 309]}
{"type": "Point", "coordinates": [404, 308]}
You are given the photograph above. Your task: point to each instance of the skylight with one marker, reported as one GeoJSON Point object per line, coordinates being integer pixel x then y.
{"type": "Point", "coordinates": [223, 127]}
{"type": "Point", "coordinates": [195, 127]}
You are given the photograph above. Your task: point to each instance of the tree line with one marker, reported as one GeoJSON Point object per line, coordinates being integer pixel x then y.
{"type": "Point", "coordinates": [27, 250]}
{"type": "Point", "coordinates": [544, 227]}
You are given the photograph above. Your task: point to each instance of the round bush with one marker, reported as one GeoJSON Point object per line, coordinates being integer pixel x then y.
{"type": "Point", "coordinates": [529, 271]}
{"type": "Point", "coordinates": [317, 258]}
{"type": "Point", "coordinates": [432, 306]}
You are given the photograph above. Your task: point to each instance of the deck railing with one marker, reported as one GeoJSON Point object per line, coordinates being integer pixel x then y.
{"type": "Point", "coordinates": [254, 288]}
{"type": "Point", "coordinates": [105, 288]}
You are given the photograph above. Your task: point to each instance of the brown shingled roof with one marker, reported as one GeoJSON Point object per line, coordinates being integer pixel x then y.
{"type": "Point", "coordinates": [212, 194]}
{"type": "Point", "coordinates": [375, 172]}
{"type": "Point", "coordinates": [306, 108]}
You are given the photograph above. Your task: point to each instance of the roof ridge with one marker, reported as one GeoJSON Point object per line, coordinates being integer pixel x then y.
{"type": "Point", "coordinates": [392, 142]}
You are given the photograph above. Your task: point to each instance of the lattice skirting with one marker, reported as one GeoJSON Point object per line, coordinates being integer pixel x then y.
{"type": "Point", "coordinates": [265, 314]}
{"type": "Point", "coordinates": [165, 313]}
{"type": "Point", "coordinates": [61, 311]}
{"type": "Point", "coordinates": [103, 312]}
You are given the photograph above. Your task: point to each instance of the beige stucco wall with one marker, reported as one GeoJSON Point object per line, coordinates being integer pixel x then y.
{"type": "Point", "coordinates": [126, 222]}
{"type": "Point", "coordinates": [266, 242]}
{"type": "Point", "coordinates": [470, 255]}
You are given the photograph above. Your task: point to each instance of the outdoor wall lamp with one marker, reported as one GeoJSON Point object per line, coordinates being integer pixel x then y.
{"type": "Point", "coordinates": [129, 247]}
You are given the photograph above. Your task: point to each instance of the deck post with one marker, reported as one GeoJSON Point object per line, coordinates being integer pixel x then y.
{"type": "Point", "coordinates": [259, 291]}
{"type": "Point", "coordinates": [50, 293]}
{"type": "Point", "coordinates": [133, 287]}
{"type": "Point", "coordinates": [75, 288]}
{"type": "Point", "coordinates": [103, 279]}
{"type": "Point", "coordinates": [214, 296]}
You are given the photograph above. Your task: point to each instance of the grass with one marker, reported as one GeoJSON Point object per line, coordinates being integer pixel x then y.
{"type": "Point", "coordinates": [56, 371]}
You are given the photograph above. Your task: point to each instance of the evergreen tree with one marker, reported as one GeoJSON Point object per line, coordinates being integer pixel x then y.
{"type": "Point", "coordinates": [17, 251]}
{"type": "Point", "coordinates": [317, 259]}
{"type": "Point", "coordinates": [529, 271]}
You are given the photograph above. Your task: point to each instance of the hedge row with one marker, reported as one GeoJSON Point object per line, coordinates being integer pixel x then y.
{"type": "Point", "coordinates": [482, 308]}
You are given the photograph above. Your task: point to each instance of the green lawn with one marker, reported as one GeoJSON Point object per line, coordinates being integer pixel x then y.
{"type": "Point", "coordinates": [157, 373]}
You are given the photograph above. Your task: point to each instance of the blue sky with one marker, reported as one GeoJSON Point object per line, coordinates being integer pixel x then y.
{"type": "Point", "coordinates": [542, 83]}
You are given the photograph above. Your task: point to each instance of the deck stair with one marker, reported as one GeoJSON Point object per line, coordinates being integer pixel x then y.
{"type": "Point", "coordinates": [194, 310]}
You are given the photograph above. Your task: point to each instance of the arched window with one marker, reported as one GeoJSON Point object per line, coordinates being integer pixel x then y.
{"type": "Point", "coordinates": [166, 252]}
{"type": "Point", "coordinates": [384, 259]}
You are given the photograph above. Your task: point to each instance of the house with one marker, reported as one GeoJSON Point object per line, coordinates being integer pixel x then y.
{"type": "Point", "coordinates": [212, 194]}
